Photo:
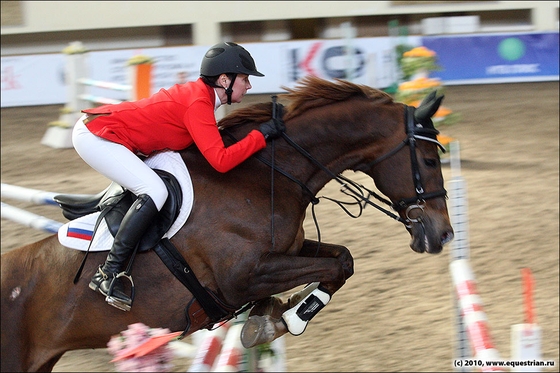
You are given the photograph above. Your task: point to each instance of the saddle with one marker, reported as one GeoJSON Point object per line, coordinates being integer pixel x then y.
{"type": "Point", "coordinates": [113, 203]}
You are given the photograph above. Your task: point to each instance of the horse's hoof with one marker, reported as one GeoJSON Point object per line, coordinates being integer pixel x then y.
{"type": "Point", "coordinates": [272, 306]}
{"type": "Point", "coordinates": [257, 330]}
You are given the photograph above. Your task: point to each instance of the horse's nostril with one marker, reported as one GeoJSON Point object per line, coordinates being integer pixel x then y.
{"type": "Point", "coordinates": [447, 237]}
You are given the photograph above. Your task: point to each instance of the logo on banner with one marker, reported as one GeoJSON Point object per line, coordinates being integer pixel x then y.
{"type": "Point", "coordinates": [10, 80]}
{"type": "Point", "coordinates": [512, 49]}
{"type": "Point", "coordinates": [333, 62]}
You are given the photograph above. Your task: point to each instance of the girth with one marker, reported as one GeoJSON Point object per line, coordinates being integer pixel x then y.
{"type": "Point", "coordinates": [213, 310]}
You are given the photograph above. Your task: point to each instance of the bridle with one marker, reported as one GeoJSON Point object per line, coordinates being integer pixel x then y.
{"type": "Point", "coordinates": [361, 194]}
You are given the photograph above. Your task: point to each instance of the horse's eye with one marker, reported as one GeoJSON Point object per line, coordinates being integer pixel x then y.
{"type": "Point", "coordinates": [430, 162]}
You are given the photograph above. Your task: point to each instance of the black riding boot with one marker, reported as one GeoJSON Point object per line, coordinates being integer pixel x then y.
{"type": "Point", "coordinates": [137, 219]}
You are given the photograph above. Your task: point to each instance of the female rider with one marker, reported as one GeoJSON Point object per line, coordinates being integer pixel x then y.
{"type": "Point", "coordinates": [111, 138]}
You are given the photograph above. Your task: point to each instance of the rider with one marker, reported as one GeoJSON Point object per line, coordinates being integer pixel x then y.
{"type": "Point", "coordinates": [112, 138]}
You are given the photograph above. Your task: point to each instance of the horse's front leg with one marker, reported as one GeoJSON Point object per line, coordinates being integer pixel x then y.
{"type": "Point", "coordinates": [271, 318]}
{"type": "Point", "coordinates": [313, 249]}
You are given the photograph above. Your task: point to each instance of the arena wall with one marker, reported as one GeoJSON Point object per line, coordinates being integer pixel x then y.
{"type": "Point", "coordinates": [31, 27]}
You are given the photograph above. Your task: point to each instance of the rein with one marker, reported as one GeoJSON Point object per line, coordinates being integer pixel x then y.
{"type": "Point", "coordinates": [358, 192]}
{"type": "Point", "coordinates": [349, 187]}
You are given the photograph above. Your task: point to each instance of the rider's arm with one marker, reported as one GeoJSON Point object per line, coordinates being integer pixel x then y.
{"type": "Point", "coordinates": [201, 123]}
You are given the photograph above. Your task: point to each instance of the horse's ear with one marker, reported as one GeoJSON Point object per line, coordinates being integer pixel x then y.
{"type": "Point", "coordinates": [428, 107]}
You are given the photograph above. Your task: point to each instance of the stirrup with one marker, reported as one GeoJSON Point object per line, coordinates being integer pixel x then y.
{"type": "Point", "coordinates": [115, 302]}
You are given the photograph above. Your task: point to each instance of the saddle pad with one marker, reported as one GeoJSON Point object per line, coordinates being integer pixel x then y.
{"type": "Point", "coordinates": [77, 234]}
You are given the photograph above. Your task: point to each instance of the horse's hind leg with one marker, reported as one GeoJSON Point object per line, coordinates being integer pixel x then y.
{"type": "Point", "coordinates": [270, 317]}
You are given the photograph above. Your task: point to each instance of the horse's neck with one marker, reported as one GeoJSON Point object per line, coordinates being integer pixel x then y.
{"type": "Point", "coordinates": [326, 148]}
{"type": "Point", "coordinates": [338, 137]}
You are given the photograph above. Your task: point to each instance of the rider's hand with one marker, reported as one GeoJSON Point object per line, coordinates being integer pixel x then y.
{"type": "Point", "coordinates": [272, 129]}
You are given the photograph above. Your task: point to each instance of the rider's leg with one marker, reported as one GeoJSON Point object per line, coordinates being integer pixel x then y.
{"type": "Point", "coordinates": [107, 280]}
{"type": "Point", "coordinates": [122, 166]}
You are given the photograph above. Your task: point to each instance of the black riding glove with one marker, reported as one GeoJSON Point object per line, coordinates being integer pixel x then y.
{"type": "Point", "coordinates": [272, 129]}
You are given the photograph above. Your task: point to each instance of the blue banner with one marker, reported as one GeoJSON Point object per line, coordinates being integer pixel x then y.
{"type": "Point", "coordinates": [495, 58]}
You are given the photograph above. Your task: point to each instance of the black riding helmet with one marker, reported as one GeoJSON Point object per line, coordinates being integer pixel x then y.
{"type": "Point", "coordinates": [228, 58]}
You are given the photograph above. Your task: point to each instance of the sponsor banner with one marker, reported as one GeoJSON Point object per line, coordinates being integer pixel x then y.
{"type": "Point", "coordinates": [469, 59]}
{"type": "Point", "coordinates": [368, 61]}
{"type": "Point", "coordinates": [371, 61]}
{"type": "Point", "coordinates": [496, 58]}
{"type": "Point", "coordinates": [33, 80]}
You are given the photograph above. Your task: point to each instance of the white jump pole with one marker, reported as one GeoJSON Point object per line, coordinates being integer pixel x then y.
{"type": "Point", "coordinates": [474, 318]}
{"type": "Point", "coordinates": [209, 348]}
{"type": "Point", "coordinates": [231, 355]}
{"type": "Point", "coordinates": [29, 219]}
{"type": "Point", "coordinates": [38, 197]}
{"type": "Point", "coordinates": [471, 323]}
{"type": "Point", "coordinates": [459, 245]}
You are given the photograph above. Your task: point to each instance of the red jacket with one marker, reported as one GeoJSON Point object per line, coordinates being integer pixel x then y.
{"type": "Point", "coordinates": [173, 119]}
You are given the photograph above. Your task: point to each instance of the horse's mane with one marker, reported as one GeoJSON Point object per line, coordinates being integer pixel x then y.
{"type": "Point", "coordinates": [309, 93]}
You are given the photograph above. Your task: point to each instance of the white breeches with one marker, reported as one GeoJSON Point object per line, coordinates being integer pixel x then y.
{"type": "Point", "coordinates": [118, 164]}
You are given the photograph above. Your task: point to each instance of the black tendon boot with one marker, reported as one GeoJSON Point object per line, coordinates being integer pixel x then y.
{"type": "Point", "coordinates": [134, 224]}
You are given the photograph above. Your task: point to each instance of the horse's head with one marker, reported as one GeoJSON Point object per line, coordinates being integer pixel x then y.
{"type": "Point", "coordinates": [408, 171]}
{"type": "Point", "coordinates": [344, 126]}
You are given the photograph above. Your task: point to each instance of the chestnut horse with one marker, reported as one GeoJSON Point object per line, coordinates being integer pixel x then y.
{"type": "Point", "coordinates": [244, 238]}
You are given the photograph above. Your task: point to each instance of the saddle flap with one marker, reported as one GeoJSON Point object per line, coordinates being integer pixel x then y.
{"type": "Point", "coordinates": [75, 206]}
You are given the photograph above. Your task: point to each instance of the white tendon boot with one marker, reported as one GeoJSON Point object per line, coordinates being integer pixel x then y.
{"type": "Point", "coordinates": [297, 317]}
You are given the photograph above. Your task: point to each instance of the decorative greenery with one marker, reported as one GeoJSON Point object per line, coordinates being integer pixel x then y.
{"type": "Point", "coordinates": [400, 50]}
{"type": "Point", "coordinates": [265, 349]}
{"type": "Point", "coordinates": [75, 47]}
{"type": "Point", "coordinates": [418, 59]}
{"type": "Point", "coordinates": [140, 59]}
{"type": "Point", "coordinates": [415, 90]}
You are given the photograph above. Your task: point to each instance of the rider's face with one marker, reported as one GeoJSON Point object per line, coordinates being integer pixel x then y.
{"type": "Point", "coordinates": [240, 87]}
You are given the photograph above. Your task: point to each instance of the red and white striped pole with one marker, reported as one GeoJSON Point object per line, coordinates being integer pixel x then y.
{"type": "Point", "coordinates": [209, 349]}
{"type": "Point", "coordinates": [526, 337]}
{"type": "Point", "coordinates": [476, 322]}
{"type": "Point", "coordinates": [232, 352]}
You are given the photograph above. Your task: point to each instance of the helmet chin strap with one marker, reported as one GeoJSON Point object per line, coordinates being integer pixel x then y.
{"type": "Point", "coordinates": [229, 90]}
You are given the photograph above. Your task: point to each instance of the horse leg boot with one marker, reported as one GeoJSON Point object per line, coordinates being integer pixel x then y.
{"type": "Point", "coordinates": [107, 280]}
{"type": "Point", "coordinates": [278, 318]}
{"type": "Point", "coordinates": [310, 303]}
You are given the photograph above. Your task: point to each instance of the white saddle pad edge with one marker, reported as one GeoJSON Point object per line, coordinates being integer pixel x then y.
{"type": "Point", "coordinates": [77, 234]}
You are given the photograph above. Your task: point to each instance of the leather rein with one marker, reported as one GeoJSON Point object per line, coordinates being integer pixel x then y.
{"type": "Point", "coordinates": [358, 192]}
